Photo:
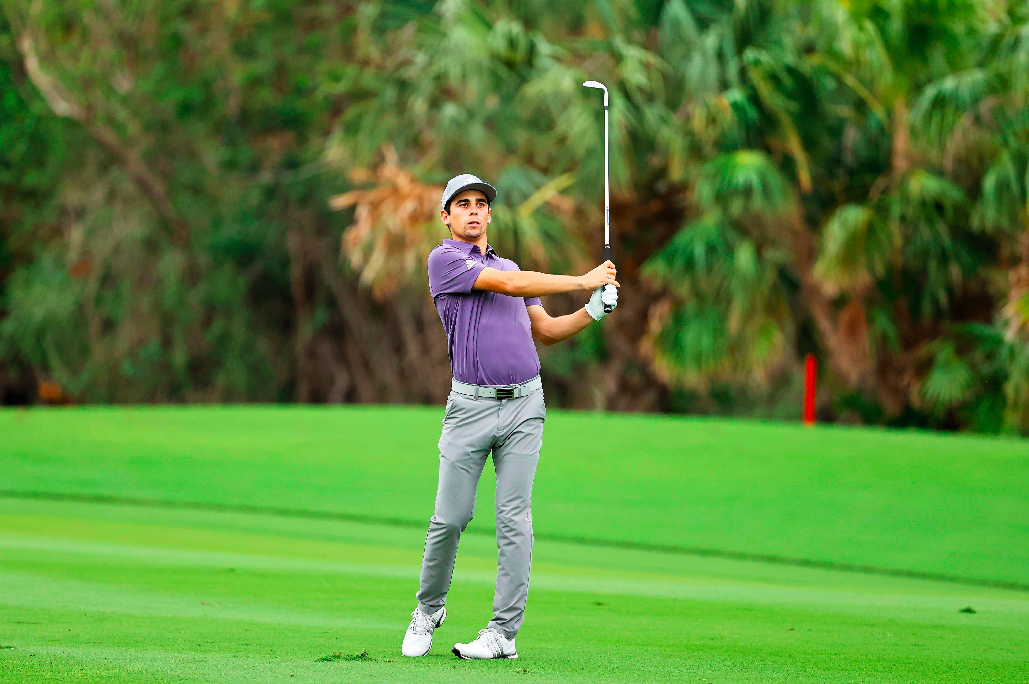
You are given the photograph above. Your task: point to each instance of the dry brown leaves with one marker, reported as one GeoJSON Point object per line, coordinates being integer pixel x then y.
{"type": "Point", "coordinates": [394, 228]}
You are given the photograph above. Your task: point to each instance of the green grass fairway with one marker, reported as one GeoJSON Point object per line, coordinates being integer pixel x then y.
{"type": "Point", "coordinates": [263, 544]}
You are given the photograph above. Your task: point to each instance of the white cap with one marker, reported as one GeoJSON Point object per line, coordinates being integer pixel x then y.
{"type": "Point", "coordinates": [466, 181]}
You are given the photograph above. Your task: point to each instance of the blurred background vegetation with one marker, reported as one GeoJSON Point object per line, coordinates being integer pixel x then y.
{"type": "Point", "coordinates": [234, 200]}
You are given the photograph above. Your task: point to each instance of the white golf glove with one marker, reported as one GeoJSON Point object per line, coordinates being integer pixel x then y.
{"type": "Point", "coordinates": [608, 294]}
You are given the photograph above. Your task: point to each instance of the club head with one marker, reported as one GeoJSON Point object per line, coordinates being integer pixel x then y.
{"type": "Point", "coordinates": [597, 84]}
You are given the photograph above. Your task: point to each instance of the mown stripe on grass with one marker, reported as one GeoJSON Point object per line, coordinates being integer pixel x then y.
{"type": "Point", "coordinates": [569, 539]}
{"type": "Point", "coordinates": [20, 589]}
{"type": "Point", "coordinates": [51, 594]}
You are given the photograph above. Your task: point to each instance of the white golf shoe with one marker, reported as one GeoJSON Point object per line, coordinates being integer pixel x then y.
{"type": "Point", "coordinates": [418, 639]}
{"type": "Point", "coordinates": [490, 644]}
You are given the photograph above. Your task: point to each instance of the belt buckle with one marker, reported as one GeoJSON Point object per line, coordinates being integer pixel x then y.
{"type": "Point", "coordinates": [505, 392]}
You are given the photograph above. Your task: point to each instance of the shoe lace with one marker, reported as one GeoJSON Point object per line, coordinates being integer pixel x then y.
{"type": "Point", "coordinates": [491, 639]}
{"type": "Point", "coordinates": [421, 623]}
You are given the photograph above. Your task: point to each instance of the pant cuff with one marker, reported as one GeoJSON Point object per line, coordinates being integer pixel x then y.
{"type": "Point", "coordinates": [507, 634]}
{"type": "Point", "coordinates": [429, 610]}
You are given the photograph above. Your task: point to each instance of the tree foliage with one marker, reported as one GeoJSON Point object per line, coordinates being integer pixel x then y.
{"type": "Point", "coordinates": [234, 200]}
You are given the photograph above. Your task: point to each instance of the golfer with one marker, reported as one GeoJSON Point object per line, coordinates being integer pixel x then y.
{"type": "Point", "coordinates": [491, 312]}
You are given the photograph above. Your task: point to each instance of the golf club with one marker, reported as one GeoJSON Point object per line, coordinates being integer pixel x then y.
{"type": "Point", "coordinates": [607, 196]}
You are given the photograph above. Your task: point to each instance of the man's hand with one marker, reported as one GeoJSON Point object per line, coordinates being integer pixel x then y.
{"type": "Point", "coordinates": [600, 276]}
{"type": "Point", "coordinates": [600, 297]}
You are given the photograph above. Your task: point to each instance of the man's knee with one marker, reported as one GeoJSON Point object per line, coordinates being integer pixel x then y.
{"type": "Point", "coordinates": [513, 519]}
{"type": "Point", "coordinates": [452, 524]}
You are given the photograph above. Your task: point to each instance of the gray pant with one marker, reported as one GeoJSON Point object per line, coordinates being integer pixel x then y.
{"type": "Point", "coordinates": [513, 430]}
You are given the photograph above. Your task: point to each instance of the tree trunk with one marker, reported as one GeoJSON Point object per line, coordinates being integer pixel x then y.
{"type": "Point", "coordinates": [847, 355]}
{"type": "Point", "coordinates": [900, 154]}
{"type": "Point", "coordinates": [844, 334]}
{"type": "Point", "coordinates": [298, 247]}
{"type": "Point", "coordinates": [365, 342]}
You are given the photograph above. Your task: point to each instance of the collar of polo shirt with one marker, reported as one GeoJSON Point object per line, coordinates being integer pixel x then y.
{"type": "Point", "coordinates": [468, 247]}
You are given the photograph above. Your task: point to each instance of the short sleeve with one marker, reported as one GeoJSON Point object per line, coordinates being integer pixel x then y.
{"type": "Point", "coordinates": [451, 271]}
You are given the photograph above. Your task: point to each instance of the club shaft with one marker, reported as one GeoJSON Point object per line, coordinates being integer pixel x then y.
{"type": "Point", "coordinates": [607, 193]}
{"type": "Point", "coordinates": [607, 196]}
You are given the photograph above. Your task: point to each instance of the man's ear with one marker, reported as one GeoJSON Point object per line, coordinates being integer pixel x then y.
{"type": "Point", "coordinates": [444, 217]}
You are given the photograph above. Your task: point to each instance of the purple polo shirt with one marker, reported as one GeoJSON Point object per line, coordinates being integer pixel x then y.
{"type": "Point", "coordinates": [489, 336]}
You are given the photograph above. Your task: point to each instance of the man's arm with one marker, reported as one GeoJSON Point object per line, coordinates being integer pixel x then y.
{"type": "Point", "coordinates": [534, 284]}
{"type": "Point", "coordinates": [550, 330]}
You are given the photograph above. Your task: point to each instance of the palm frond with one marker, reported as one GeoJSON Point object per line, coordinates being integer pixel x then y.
{"type": "Point", "coordinates": [744, 183]}
{"type": "Point", "coordinates": [949, 381]}
{"type": "Point", "coordinates": [857, 246]}
{"type": "Point", "coordinates": [1002, 202]}
{"type": "Point", "coordinates": [678, 30]}
{"type": "Point", "coordinates": [943, 103]}
{"type": "Point", "coordinates": [693, 255]}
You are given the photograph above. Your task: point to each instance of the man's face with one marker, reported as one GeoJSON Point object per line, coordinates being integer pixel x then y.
{"type": "Point", "coordinates": [469, 215]}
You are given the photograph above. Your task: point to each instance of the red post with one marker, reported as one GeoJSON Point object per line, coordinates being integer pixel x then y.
{"type": "Point", "coordinates": [810, 374]}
